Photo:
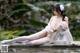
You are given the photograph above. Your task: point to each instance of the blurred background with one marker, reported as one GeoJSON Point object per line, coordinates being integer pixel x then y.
{"type": "Point", "coordinates": [25, 17]}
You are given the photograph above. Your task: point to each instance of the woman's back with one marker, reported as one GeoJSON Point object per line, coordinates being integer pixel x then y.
{"type": "Point", "coordinates": [62, 35]}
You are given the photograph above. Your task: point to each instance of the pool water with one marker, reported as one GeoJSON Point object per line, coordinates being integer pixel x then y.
{"type": "Point", "coordinates": [44, 50]}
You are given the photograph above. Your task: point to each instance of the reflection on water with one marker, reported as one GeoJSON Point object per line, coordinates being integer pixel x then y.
{"type": "Point", "coordinates": [44, 50]}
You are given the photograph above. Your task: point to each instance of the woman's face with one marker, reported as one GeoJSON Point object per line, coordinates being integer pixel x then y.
{"type": "Point", "coordinates": [56, 13]}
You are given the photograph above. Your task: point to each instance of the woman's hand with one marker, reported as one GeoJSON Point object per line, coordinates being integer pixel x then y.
{"type": "Point", "coordinates": [64, 24]}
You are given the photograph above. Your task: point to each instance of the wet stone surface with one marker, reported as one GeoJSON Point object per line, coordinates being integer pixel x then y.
{"type": "Point", "coordinates": [43, 50]}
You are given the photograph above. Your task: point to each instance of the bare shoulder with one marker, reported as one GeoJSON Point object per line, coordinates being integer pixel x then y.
{"type": "Point", "coordinates": [53, 17]}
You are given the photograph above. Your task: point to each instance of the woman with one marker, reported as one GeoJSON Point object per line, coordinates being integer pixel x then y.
{"type": "Point", "coordinates": [58, 25]}
{"type": "Point", "coordinates": [62, 35]}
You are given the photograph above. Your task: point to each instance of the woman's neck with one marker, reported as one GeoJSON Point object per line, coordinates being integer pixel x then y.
{"type": "Point", "coordinates": [59, 15]}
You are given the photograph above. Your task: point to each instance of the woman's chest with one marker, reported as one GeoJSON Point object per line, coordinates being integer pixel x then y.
{"type": "Point", "coordinates": [56, 21]}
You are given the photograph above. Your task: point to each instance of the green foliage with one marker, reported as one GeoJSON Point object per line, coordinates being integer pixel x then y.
{"type": "Point", "coordinates": [37, 23]}
{"type": "Point", "coordinates": [10, 34]}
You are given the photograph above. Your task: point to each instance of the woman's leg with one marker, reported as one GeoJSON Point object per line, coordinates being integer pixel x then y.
{"type": "Point", "coordinates": [38, 41]}
{"type": "Point", "coordinates": [35, 36]}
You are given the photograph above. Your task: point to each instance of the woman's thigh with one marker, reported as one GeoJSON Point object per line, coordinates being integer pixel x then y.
{"type": "Point", "coordinates": [37, 35]}
{"type": "Point", "coordinates": [39, 41]}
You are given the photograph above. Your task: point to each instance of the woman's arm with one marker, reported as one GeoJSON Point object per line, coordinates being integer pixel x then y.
{"type": "Point", "coordinates": [64, 24]}
{"type": "Point", "coordinates": [51, 25]}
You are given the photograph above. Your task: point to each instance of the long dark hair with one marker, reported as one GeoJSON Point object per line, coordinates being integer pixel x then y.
{"type": "Point", "coordinates": [57, 8]}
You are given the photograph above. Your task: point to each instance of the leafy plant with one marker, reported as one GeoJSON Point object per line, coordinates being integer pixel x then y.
{"type": "Point", "coordinates": [10, 34]}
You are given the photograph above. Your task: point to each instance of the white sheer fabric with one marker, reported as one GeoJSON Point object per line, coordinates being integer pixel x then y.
{"type": "Point", "coordinates": [62, 36]}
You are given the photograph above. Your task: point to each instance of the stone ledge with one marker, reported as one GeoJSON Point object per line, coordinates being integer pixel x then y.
{"type": "Point", "coordinates": [76, 44]}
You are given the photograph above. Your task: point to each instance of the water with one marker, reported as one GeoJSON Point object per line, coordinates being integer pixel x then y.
{"type": "Point", "coordinates": [44, 50]}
